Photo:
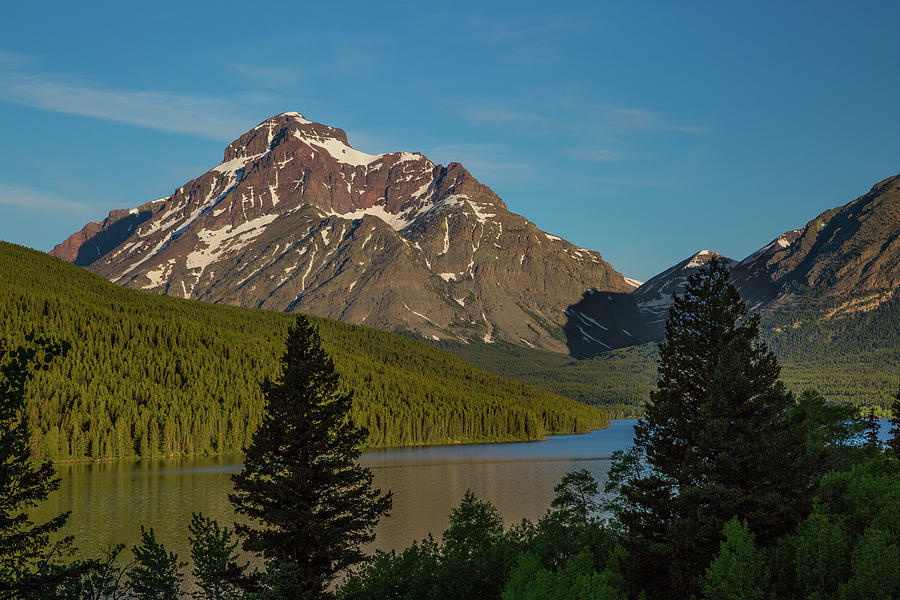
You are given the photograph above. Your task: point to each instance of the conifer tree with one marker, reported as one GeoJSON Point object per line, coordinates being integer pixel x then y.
{"type": "Point", "coordinates": [29, 562]}
{"type": "Point", "coordinates": [872, 429]}
{"type": "Point", "coordinates": [715, 443]}
{"type": "Point", "coordinates": [156, 574]}
{"type": "Point", "coordinates": [310, 504]}
{"type": "Point", "coordinates": [216, 569]}
{"type": "Point", "coordinates": [894, 441]}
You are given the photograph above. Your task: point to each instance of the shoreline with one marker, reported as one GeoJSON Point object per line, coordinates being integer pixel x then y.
{"type": "Point", "coordinates": [364, 450]}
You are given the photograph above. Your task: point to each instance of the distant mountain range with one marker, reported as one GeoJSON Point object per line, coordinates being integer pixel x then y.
{"type": "Point", "coordinates": [295, 219]}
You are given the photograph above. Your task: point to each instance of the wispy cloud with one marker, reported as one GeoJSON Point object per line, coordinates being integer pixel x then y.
{"type": "Point", "coordinates": [586, 131]}
{"type": "Point", "coordinates": [529, 41]}
{"type": "Point", "coordinates": [596, 154]}
{"type": "Point", "coordinates": [41, 201]}
{"type": "Point", "coordinates": [573, 118]}
{"type": "Point", "coordinates": [269, 76]}
{"type": "Point", "coordinates": [15, 59]}
{"type": "Point", "coordinates": [499, 115]}
{"type": "Point", "coordinates": [208, 117]}
{"type": "Point", "coordinates": [646, 120]}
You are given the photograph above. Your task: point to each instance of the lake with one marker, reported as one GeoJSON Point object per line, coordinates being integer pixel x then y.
{"type": "Point", "coordinates": [110, 500]}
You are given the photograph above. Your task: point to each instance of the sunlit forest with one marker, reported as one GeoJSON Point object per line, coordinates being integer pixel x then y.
{"type": "Point", "coordinates": [156, 376]}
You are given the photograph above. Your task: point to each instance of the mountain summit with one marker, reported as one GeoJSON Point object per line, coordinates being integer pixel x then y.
{"type": "Point", "coordinates": [295, 219]}
{"type": "Point", "coordinates": [654, 297]}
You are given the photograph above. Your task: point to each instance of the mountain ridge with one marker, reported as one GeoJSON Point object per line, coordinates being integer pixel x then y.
{"type": "Point", "coordinates": [295, 219]}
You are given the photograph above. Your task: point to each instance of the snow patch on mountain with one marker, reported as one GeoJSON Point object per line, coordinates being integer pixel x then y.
{"type": "Point", "coordinates": [699, 259]}
{"type": "Point", "coordinates": [397, 222]}
{"type": "Point", "coordinates": [225, 240]}
{"type": "Point", "coordinates": [338, 150]}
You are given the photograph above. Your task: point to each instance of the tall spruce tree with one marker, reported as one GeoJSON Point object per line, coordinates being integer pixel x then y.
{"type": "Point", "coordinates": [716, 443]}
{"type": "Point", "coordinates": [30, 564]}
{"type": "Point", "coordinates": [217, 572]}
{"type": "Point", "coordinates": [894, 441]}
{"type": "Point", "coordinates": [872, 429]}
{"type": "Point", "coordinates": [310, 504]}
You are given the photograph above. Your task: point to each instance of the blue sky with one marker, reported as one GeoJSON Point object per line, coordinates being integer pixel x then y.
{"type": "Point", "coordinates": [645, 131]}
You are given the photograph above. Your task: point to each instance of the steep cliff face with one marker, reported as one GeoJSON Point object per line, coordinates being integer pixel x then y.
{"type": "Point", "coordinates": [295, 219]}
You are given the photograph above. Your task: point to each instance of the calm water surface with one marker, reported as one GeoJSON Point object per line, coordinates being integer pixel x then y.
{"type": "Point", "coordinates": [110, 500]}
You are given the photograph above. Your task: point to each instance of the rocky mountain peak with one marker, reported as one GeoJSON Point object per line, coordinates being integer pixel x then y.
{"type": "Point", "coordinates": [294, 218]}
{"type": "Point", "coordinates": [654, 297]}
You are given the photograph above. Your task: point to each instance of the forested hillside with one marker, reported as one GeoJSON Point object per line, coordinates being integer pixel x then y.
{"type": "Point", "coordinates": [154, 375]}
{"type": "Point", "coordinates": [848, 358]}
{"type": "Point", "coordinates": [618, 380]}
{"type": "Point", "coordinates": [851, 357]}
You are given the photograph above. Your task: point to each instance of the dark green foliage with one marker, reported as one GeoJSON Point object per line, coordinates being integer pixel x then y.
{"type": "Point", "coordinates": [312, 506]}
{"type": "Point", "coordinates": [872, 429]}
{"type": "Point", "coordinates": [566, 554]}
{"type": "Point", "coordinates": [848, 547]}
{"type": "Point", "coordinates": [832, 433]}
{"type": "Point", "coordinates": [716, 442]}
{"type": "Point", "coordinates": [475, 554]}
{"type": "Point", "coordinates": [30, 563]}
{"type": "Point", "coordinates": [409, 575]}
{"type": "Point", "coordinates": [876, 567]}
{"type": "Point", "coordinates": [156, 376]}
{"type": "Point", "coordinates": [576, 497]}
{"type": "Point", "coordinates": [738, 572]}
{"type": "Point", "coordinates": [472, 561]}
{"type": "Point", "coordinates": [156, 574]}
{"type": "Point", "coordinates": [894, 441]}
{"type": "Point", "coordinates": [104, 580]}
{"type": "Point", "coordinates": [820, 557]}
{"type": "Point", "coordinates": [216, 570]}
{"type": "Point", "coordinates": [578, 579]}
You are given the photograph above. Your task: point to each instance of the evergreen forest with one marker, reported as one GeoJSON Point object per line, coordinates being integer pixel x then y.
{"type": "Point", "coordinates": [151, 375]}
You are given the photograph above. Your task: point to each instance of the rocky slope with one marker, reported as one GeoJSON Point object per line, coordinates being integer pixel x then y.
{"type": "Point", "coordinates": [846, 260]}
{"type": "Point", "coordinates": [654, 297]}
{"type": "Point", "coordinates": [295, 219]}
{"type": "Point", "coordinates": [843, 262]}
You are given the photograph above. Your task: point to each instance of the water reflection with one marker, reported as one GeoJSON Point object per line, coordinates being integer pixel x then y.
{"type": "Point", "coordinates": [110, 500]}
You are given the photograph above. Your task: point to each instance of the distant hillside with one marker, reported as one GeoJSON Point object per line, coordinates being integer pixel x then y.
{"type": "Point", "coordinates": [618, 380]}
{"type": "Point", "coordinates": [154, 375]}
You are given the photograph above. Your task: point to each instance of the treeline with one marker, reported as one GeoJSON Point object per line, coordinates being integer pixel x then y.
{"type": "Point", "coordinates": [155, 376]}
